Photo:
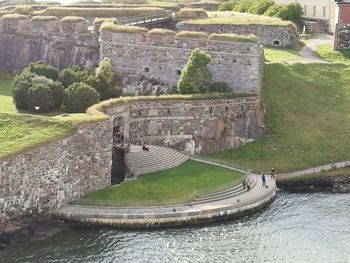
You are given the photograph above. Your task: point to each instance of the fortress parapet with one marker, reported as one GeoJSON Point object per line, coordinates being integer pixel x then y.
{"type": "Point", "coordinates": [161, 55]}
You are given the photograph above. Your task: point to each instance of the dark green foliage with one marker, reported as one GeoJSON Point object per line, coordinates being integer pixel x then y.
{"type": "Point", "coordinates": [195, 77]}
{"type": "Point", "coordinates": [72, 74]}
{"type": "Point", "coordinates": [45, 94]}
{"type": "Point", "coordinates": [220, 87]}
{"type": "Point", "coordinates": [19, 88]}
{"type": "Point", "coordinates": [79, 96]}
{"type": "Point", "coordinates": [260, 7]}
{"type": "Point", "coordinates": [291, 12]}
{"type": "Point", "coordinates": [40, 98]}
{"type": "Point", "coordinates": [42, 69]}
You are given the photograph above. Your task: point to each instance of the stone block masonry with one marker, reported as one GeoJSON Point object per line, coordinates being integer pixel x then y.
{"type": "Point", "coordinates": [191, 126]}
{"type": "Point", "coordinates": [52, 175]}
{"type": "Point", "coordinates": [161, 58]}
{"type": "Point", "coordinates": [60, 44]}
{"type": "Point", "coordinates": [269, 35]}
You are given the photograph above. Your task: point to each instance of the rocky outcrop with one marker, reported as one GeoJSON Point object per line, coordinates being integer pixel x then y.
{"type": "Point", "coordinates": [335, 184]}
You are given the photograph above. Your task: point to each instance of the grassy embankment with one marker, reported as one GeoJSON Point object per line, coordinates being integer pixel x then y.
{"type": "Point", "coordinates": [325, 52]}
{"type": "Point", "coordinates": [307, 119]}
{"type": "Point", "coordinates": [177, 185]}
{"type": "Point", "coordinates": [20, 131]}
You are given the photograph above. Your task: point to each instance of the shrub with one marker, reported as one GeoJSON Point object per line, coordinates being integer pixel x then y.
{"type": "Point", "coordinates": [40, 98]}
{"type": "Point", "coordinates": [220, 87]}
{"type": "Point", "coordinates": [195, 77]}
{"type": "Point", "coordinates": [72, 74]}
{"type": "Point", "coordinates": [291, 12]}
{"type": "Point", "coordinates": [48, 98]}
{"type": "Point", "coordinates": [260, 7]}
{"type": "Point", "coordinates": [80, 96]}
{"type": "Point", "coordinates": [43, 69]}
{"type": "Point", "coordinates": [19, 88]}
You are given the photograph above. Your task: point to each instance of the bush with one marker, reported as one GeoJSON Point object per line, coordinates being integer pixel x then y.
{"type": "Point", "coordinates": [44, 93]}
{"type": "Point", "coordinates": [260, 7]}
{"type": "Point", "coordinates": [220, 87]}
{"type": "Point", "coordinates": [19, 94]}
{"type": "Point", "coordinates": [291, 12]}
{"type": "Point", "coordinates": [80, 96]}
{"type": "Point", "coordinates": [72, 74]}
{"type": "Point", "coordinates": [195, 77]}
{"type": "Point", "coordinates": [40, 98]}
{"type": "Point", "coordinates": [43, 69]}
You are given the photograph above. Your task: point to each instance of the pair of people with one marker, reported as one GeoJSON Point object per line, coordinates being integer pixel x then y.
{"type": "Point", "coordinates": [246, 184]}
{"type": "Point", "coordinates": [263, 178]}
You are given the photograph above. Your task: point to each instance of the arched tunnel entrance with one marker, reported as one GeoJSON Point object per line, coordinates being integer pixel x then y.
{"type": "Point", "coordinates": [118, 171]}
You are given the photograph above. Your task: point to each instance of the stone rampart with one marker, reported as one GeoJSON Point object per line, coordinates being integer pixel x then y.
{"type": "Point", "coordinates": [342, 36]}
{"type": "Point", "coordinates": [191, 126]}
{"type": "Point", "coordinates": [59, 43]}
{"type": "Point", "coordinates": [161, 58]}
{"type": "Point", "coordinates": [269, 35]}
{"type": "Point", "coordinates": [52, 175]}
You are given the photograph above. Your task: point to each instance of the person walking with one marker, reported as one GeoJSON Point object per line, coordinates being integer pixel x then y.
{"type": "Point", "coordinates": [272, 173]}
{"type": "Point", "coordinates": [263, 178]}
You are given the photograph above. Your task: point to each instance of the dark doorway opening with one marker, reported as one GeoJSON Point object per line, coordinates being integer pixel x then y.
{"type": "Point", "coordinates": [118, 171]}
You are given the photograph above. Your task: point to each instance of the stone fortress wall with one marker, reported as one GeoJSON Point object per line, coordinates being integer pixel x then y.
{"type": "Point", "coordinates": [161, 58]}
{"type": "Point", "coordinates": [52, 175]}
{"type": "Point", "coordinates": [269, 35]}
{"type": "Point", "coordinates": [59, 43]}
{"type": "Point", "coordinates": [191, 126]}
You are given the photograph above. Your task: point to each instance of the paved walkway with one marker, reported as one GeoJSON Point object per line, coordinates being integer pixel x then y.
{"type": "Point", "coordinates": [307, 51]}
{"type": "Point", "coordinates": [181, 214]}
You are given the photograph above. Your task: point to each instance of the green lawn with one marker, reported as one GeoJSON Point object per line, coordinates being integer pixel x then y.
{"type": "Point", "coordinates": [325, 52]}
{"type": "Point", "coordinates": [307, 119]}
{"type": "Point", "coordinates": [176, 185]}
{"type": "Point", "coordinates": [19, 132]}
{"type": "Point", "coordinates": [6, 104]}
{"type": "Point", "coordinates": [274, 54]}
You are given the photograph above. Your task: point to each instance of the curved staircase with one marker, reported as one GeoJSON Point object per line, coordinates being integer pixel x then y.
{"type": "Point", "coordinates": [155, 159]}
{"type": "Point", "coordinates": [225, 194]}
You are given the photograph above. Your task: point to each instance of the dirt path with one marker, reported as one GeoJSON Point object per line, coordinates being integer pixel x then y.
{"type": "Point", "coordinates": [307, 51]}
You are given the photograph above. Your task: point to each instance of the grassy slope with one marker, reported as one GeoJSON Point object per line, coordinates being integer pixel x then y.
{"type": "Point", "coordinates": [307, 119]}
{"type": "Point", "coordinates": [273, 54]}
{"type": "Point", "coordinates": [6, 104]}
{"type": "Point", "coordinates": [325, 52]}
{"type": "Point", "coordinates": [19, 132]}
{"type": "Point", "coordinates": [164, 188]}
{"type": "Point", "coordinates": [22, 131]}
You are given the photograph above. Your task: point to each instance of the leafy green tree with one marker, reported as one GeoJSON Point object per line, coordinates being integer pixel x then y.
{"type": "Point", "coordinates": [79, 96]}
{"type": "Point", "coordinates": [260, 7]}
{"type": "Point", "coordinates": [195, 76]}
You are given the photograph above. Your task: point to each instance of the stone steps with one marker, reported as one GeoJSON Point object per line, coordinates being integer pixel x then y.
{"type": "Point", "coordinates": [156, 159]}
{"type": "Point", "coordinates": [225, 194]}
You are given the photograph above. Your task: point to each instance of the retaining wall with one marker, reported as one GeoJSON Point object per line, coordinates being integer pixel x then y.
{"type": "Point", "coordinates": [269, 35]}
{"type": "Point", "coordinates": [52, 175]}
{"type": "Point", "coordinates": [191, 126]}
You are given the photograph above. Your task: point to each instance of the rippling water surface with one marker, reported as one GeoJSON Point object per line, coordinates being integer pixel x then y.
{"type": "Point", "coordinates": [295, 228]}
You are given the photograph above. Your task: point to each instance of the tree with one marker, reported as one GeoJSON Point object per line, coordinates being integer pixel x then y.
{"type": "Point", "coordinates": [103, 81]}
{"type": "Point", "coordinates": [195, 76]}
{"type": "Point", "coordinates": [19, 88]}
{"type": "Point", "coordinates": [260, 7]}
{"type": "Point", "coordinates": [79, 96]}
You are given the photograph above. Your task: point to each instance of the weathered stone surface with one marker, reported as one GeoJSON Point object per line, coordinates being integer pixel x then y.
{"type": "Point", "coordinates": [197, 126]}
{"type": "Point", "coordinates": [51, 175]}
{"type": "Point", "coordinates": [270, 35]}
{"type": "Point", "coordinates": [161, 59]}
{"type": "Point", "coordinates": [342, 36]}
{"type": "Point", "coordinates": [60, 44]}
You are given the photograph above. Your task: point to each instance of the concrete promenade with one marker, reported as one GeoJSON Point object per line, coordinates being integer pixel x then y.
{"type": "Point", "coordinates": [173, 215]}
